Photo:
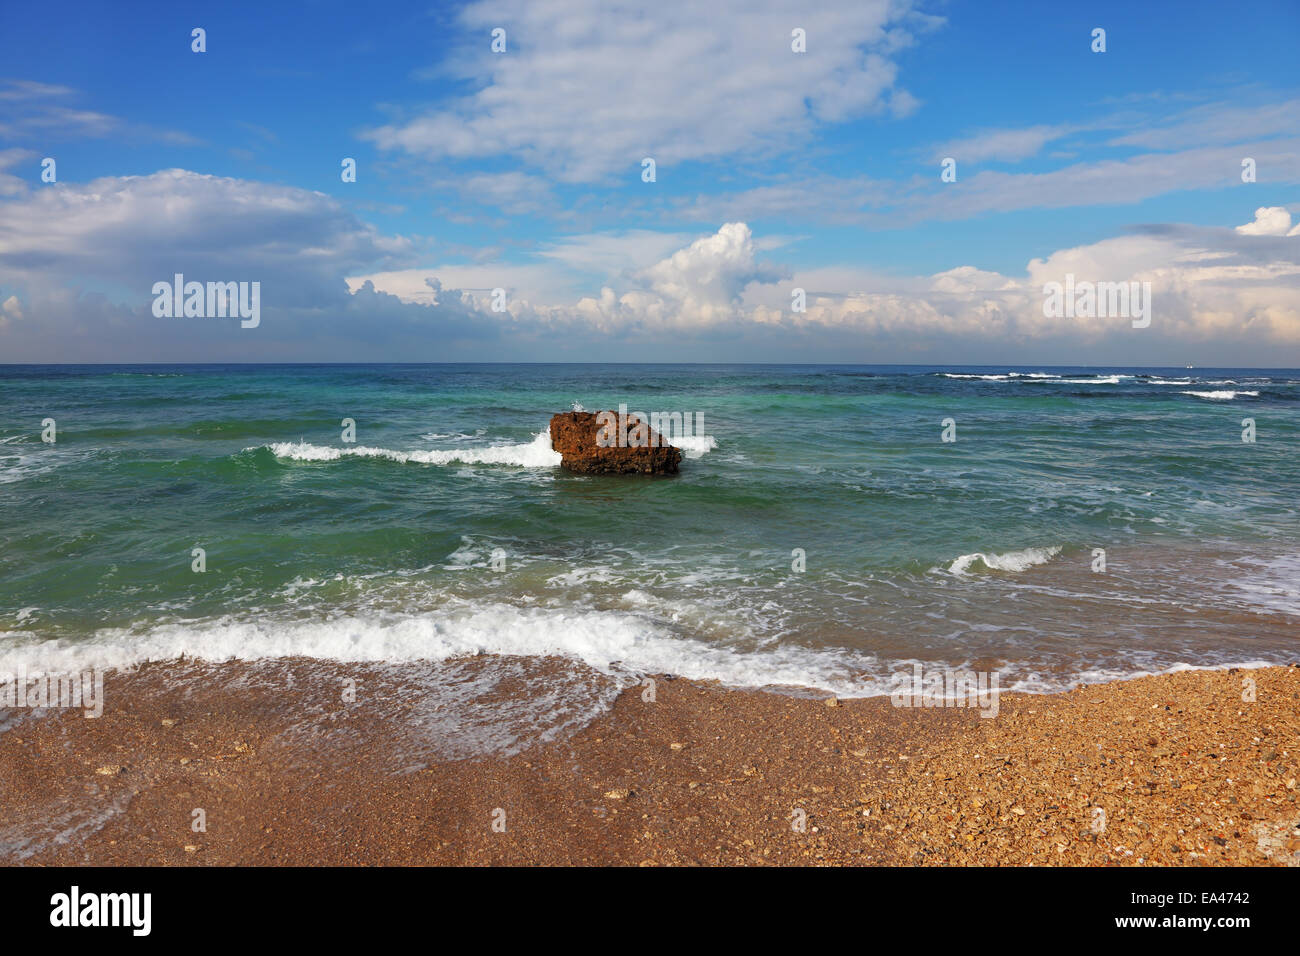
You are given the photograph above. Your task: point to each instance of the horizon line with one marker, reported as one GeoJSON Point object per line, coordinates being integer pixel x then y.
{"type": "Point", "coordinates": [1185, 368]}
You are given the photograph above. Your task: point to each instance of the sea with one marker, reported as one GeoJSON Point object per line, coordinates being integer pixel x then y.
{"type": "Point", "coordinates": [831, 526]}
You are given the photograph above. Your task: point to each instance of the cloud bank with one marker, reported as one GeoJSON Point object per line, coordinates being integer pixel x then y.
{"type": "Point", "coordinates": [334, 287]}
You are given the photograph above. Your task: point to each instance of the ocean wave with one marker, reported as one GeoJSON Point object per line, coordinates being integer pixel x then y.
{"type": "Point", "coordinates": [16, 465]}
{"type": "Point", "coordinates": [1011, 561]}
{"type": "Point", "coordinates": [1042, 378]}
{"type": "Point", "coordinates": [621, 645]}
{"type": "Point", "coordinates": [1007, 376]}
{"type": "Point", "coordinates": [535, 454]}
{"type": "Point", "coordinates": [1189, 380]}
{"type": "Point", "coordinates": [1103, 380]}
{"type": "Point", "coordinates": [616, 643]}
{"type": "Point", "coordinates": [1223, 395]}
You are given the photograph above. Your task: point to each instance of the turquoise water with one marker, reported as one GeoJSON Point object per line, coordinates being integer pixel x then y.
{"type": "Point", "coordinates": [978, 551]}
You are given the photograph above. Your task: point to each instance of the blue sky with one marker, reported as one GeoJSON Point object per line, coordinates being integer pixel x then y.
{"type": "Point", "coordinates": [522, 171]}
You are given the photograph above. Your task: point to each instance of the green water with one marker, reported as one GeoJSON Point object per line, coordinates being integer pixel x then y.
{"type": "Point", "coordinates": [383, 548]}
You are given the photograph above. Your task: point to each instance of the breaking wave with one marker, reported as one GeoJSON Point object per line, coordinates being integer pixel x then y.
{"type": "Point", "coordinates": [535, 454]}
{"type": "Point", "coordinates": [1011, 561]}
{"type": "Point", "coordinates": [1222, 395]}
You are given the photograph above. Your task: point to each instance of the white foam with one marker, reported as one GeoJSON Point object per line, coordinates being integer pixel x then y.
{"type": "Point", "coordinates": [1037, 683]}
{"type": "Point", "coordinates": [1011, 561]}
{"type": "Point", "coordinates": [622, 645]}
{"type": "Point", "coordinates": [1273, 586]}
{"type": "Point", "coordinates": [442, 436]}
{"type": "Point", "coordinates": [612, 642]}
{"type": "Point", "coordinates": [1224, 395]}
{"type": "Point", "coordinates": [535, 454]}
{"type": "Point", "coordinates": [1105, 380]}
{"type": "Point", "coordinates": [43, 459]}
{"type": "Point", "coordinates": [694, 446]}
{"type": "Point", "coordinates": [1046, 378]}
{"type": "Point", "coordinates": [580, 576]}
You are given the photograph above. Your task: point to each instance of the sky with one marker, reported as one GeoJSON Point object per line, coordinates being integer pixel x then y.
{"type": "Point", "coordinates": [798, 154]}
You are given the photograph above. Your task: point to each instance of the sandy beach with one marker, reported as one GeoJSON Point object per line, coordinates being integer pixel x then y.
{"type": "Point", "coordinates": [261, 764]}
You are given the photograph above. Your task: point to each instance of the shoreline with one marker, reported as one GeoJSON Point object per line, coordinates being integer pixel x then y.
{"type": "Point", "coordinates": [1173, 769]}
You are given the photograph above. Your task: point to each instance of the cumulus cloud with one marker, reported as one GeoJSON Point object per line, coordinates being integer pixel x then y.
{"type": "Point", "coordinates": [11, 308]}
{"type": "Point", "coordinates": [1208, 286]}
{"type": "Point", "coordinates": [587, 89]}
{"type": "Point", "coordinates": [698, 285]}
{"type": "Point", "coordinates": [704, 282]}
{"type": "Point", "coordinates": [135, 230]}
{"type": "Point", "coordinates": [1270, 221]}
{"type": "Point", "coordinates": [78, 263]}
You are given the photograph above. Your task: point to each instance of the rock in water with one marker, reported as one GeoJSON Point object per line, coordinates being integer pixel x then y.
{"type": "Point", "coordinates": [627, 446]}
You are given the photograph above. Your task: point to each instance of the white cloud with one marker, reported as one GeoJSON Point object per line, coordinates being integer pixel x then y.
{"type": "Point", "coordinates": [1007, 145]}
{"type": "Point", "coordinates": [1196, 154]}
{"type": "Point", "coordinates": [1216, 123]}
{"type": "Point", "coordinates": [704, 281]}
{"type": "Point", "coordinates": [608, 254]}
{"type": "Point", "coordinates": [11, 308]}
{"type": "Point", "coordinates": [1270, 221]}
{"type": "Point", "coordinates": [11, 185]}
{"type": "Point", "coordinates": [924, 198]}
{"type": "Point", "coordinates": [697, 285]}
{"type": "Point", "coordinates": [134, 230]}
{"type": "Point", "coordinates": [82, 260]}
{"type": "Point", "coordinates": [513, 192]}
{"type": "Point", "coordinates": [587, 89]}
{"type": "Point", "coordinates": [1207, 285]}
{"type": "Point", "coordinates": [77, 263]}
{"type": "Point", "coordinates": [690, 286]}
{"type": "Point", "coordinates": [40, 112]}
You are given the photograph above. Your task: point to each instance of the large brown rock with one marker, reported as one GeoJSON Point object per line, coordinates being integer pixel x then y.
{"type": "Point", "coordinates": [574, 435]}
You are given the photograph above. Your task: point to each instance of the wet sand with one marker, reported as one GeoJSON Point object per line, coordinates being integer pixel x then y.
{"type": "Point", "coordinates": [1184, 770]}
